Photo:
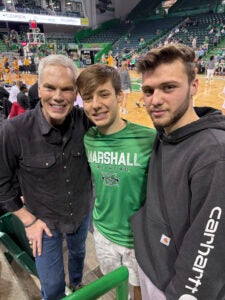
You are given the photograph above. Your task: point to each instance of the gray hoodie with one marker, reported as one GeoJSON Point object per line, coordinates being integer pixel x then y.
{"type": "Point", "coordinates": [180, 231]}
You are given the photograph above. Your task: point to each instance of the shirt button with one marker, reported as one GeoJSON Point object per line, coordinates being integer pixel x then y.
{"type": "Point", "coordinates": [63, 153]}
{"type": "Point", "coordinates": [64, 167]}
{"type": "Point", "coordinates": [67, 180]}
{"type": "Point", "coordinates": [68, 193]}
{"type": "Point", "coordinates": [70, 203]}
{"type": "Point", "coordinates": [46, 163]}
{"type": "Point", "coordinates": [71, 214]}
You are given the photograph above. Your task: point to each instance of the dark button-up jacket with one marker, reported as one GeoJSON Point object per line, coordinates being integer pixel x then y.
{"type": "Point", "coordinates": [49, 168]}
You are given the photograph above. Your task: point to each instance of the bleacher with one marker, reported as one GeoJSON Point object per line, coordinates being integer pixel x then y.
{"type": "Point", "coordinates": [199, 30]}
{"type": "Point", "coordinates": [108, 35]}
{"type": "Point", "coordinates": [149, 30]}
{"type": "Point", "coordinates": [143, 9]}
{"type": "Point", "coordinates": [186, 5]}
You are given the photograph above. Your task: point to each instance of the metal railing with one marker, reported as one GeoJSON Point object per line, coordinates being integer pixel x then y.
{"type": "Point", "coordinates": [116, 279]}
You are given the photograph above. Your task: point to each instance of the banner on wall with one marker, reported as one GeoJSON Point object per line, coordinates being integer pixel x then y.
{"type": "Point", "coordinates": [42, 19]}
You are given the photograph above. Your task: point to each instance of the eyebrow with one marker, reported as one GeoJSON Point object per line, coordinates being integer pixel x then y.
{"type": "Point", "coordinates": [48, 85]}
{"type": "Point", "coordinates": [103, 91]}
{"type": "Point", "coordinates": [160, 85]}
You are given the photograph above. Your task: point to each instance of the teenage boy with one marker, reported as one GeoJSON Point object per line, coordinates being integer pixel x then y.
{"type": "Point", "coordinates": [118, 153]}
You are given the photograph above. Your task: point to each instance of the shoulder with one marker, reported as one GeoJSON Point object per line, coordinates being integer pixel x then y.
{"type": "Point", "coordinates": [92, 132]}
{"type": "Point", "coordinates": [19, 124]}
{"type": "Point", "coordinates": [141, 128]}
{"type": "Point", "coordinates": [80, 116]}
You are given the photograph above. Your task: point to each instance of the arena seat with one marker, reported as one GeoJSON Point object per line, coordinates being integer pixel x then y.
{"type": "Point", "coordinates": [13, 237]}
{"type": "Point", "coordinates": [144, 8]}
{"type": "Point", "coordinates": [148, 29]}
{"type": "Point", "coordinates": [184, 5]}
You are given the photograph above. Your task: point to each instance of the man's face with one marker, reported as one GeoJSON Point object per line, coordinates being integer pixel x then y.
{"type": "Point", "coordinates": [168, 95]}
{"type": "Point", "coordinates": [57, 92]}
{"type": "Point", "coordinates": [102, 108]}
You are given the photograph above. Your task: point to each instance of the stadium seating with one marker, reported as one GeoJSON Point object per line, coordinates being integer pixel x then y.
{"type": "Point", "coordinates": [13, 237]}
{"type": "Point", "coordinates": [143, 9]}
{"type": "Point", "coordinates": [185, 5]}
{"type": "Point", "coordinates": [149, 30]}
{"type": "Point", "coordinates": [108, 35]}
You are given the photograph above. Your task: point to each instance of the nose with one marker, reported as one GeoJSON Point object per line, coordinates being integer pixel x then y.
{"type": "Point", "coordinates": [95, 102]}
{"type": "Point", "coordinates": [57, 94]}
{"type": "Point", "coordinates": [156, 98]}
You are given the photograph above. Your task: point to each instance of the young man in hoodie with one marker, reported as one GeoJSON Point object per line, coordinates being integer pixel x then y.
{"type": "Point", "coordinates": [118, 152]}
{"type": "Point", "coordinates": [179, 232]}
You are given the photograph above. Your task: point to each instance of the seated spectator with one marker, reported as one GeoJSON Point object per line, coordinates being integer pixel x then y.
{"type": "Point", "coordinates": [22, 97]}
{"type": "Point", "coordinates": [21, 105]}
{"type": "Point", "coordinates": [16, 110]}
{"type": "Point", "coordinates": [33, 97]}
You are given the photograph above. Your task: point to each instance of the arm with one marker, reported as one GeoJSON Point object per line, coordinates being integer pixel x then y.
{"type": "Point", "coordinates": [200, 265]}
{"type": "Point", "coordinates": [10, 195]}
{"type": "Point", "coordinates": [34, 229]}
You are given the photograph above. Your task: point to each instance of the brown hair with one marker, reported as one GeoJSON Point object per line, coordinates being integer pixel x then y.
{"type": "Point", "coordinates": [93, 76]}
{"type": "Point", "coordinates": [124, 65]}
{"type": "Point", "coordinates": [168, 54]}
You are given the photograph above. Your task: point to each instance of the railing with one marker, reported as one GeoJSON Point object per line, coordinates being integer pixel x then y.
{"type": "Point", "coordinates": [116, 279]}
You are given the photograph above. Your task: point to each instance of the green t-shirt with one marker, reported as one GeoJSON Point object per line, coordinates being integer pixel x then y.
{"type": "Point", "coordinates": [119, 166]}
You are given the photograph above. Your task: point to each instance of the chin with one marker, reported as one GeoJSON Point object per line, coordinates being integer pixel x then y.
{"type": "Point", "coordinates": [57, 121]}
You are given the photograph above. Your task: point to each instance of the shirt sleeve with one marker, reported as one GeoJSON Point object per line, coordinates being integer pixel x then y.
{"type": "Point", "coordinates": [9, 185]}
{"type": "Point", "coordinates": [200, 265]}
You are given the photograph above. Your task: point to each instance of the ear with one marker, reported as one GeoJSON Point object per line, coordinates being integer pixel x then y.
{"type": "Point", "coordinates": [194, 87]}
{"type": "Point", "coordinates": [39, 93]}
{"type": "Point", "coordinates": [120, 96]}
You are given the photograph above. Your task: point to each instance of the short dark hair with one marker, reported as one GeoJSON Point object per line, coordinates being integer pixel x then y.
{"type": "Point", "coordinates": [93, 76]}
{"type": "Point", "coordinates": [168, 54]}
{"type": "Point", "coordinates": [23, 87]}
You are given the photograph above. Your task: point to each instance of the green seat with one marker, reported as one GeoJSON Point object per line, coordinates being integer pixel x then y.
{"type": "Point", "coordinates": [13, 237]}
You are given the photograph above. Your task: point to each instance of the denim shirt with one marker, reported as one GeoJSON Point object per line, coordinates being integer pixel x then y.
{"type": "Point", "coordinates": [50, 168]}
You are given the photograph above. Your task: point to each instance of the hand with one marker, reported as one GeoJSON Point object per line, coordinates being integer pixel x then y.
{"type": "Point", "coordinates": [34, 234]}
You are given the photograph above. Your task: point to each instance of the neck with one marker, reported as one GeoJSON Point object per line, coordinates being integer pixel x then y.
{"type": "Point", "coordinates": [115, 127]}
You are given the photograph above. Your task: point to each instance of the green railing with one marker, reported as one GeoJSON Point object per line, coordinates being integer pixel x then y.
{"type": "Point", "coordinates": [116, 279]}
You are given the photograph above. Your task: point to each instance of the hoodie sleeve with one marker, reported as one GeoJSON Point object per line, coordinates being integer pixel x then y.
{"type": "Point", "coordinates": [200, 265]}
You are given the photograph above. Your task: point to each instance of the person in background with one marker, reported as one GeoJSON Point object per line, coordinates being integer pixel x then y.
{"type": "Point", "coordinates": [33, 97]}
{"type": "Point", "coordinates": [21, 105]}
{"type": "Point", "coordinates": [118, 153]}
{"type": "Point", "coordinates": [27, 65]}
{"type": "Point", "coordinates": [14, 91]}
{"type": "Point", "coordinates": [4, 100]}
{"type": "Point", "coordinates": [16, 67]}
{"type": "Point", "coordinates": [7, 70]}
{"type": "Point", "coordinates": [44, 147]}
{"type": "Point", "coordinates": [22, 97]}
{"type": "Point", "coordinates": [179, 232]}
{"type": "Point", "coordinates": [211, 66]}
{"type": "Point", "coordinates": [1, 70]}
{"type": "Point", "coordinates": [126, 85]}
{"type": "Point", "coordinates": [110, 60]}
{"type": "Point", "coordinates": [3, 92]}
